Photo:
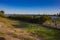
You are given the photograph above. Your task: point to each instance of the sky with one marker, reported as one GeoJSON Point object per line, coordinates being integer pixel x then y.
{"type": "Point", "coordinates": [30, 6]}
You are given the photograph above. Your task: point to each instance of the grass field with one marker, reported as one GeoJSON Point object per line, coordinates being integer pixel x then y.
{"type": "Point", "coordinates": [47, 33]}
{"type": "Point", "coordinates": [31, 28]}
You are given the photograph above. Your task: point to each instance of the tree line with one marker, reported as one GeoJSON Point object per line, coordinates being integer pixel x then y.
{"type": "Point", "coordinates": [33, 19]}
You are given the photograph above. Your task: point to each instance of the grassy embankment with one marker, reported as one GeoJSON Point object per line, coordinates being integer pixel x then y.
{"type": "Point", "coordinates": [47, 33]}
{"type": "Point", "coordinates": [35, 29]}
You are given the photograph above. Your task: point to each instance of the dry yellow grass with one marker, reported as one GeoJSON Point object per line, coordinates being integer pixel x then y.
{"type": "Point", "coordinates": [8, 31]}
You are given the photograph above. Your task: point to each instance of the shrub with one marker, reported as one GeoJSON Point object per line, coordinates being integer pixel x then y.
{"type": "Point", "coordinates": [2, 14]}
{"type": "Point", "coordinates": [44, 18]}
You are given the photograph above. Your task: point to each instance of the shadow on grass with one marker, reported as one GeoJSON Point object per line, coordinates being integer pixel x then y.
{"type": "Point", "coordinates": [24, 25]}
{"type": "Point", "coordinates": [2, 38]}
{"type": "Point", "coordinates": [21, 25]}
{"type": "Point", "coordinates": [57, 35]}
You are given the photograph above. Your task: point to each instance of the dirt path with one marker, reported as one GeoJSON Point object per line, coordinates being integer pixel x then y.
{"type": "Point", "coordinates": [7, 37]}
{"type": "Point", "coordinates": [16, 33]}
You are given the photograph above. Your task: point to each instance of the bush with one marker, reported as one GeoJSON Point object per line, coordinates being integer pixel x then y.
{"type": "Point", "coordinates": [44, 18]}
{"type": "Point", "coordinates": [2, 14]}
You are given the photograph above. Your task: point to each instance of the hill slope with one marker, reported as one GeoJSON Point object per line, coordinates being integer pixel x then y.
{"type": "Point", "coordinates": [18, 30]}
{"type": "Point", "coordinates": [9, 32]}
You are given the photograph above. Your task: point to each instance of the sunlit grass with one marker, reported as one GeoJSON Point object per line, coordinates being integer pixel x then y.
{"type": "Point", "coordinates": [41, 31]}
{"type": "Point", "coordinates": [44, 32]}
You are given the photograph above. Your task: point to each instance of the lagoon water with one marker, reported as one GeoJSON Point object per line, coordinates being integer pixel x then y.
{"type": "Point", "coordinates": [54, 17]}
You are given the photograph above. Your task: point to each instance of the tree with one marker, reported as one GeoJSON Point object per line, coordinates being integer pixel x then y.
{"type": "Point", "coordinates": [2, 14]}
{"type": "Point", "coordinates": [44, 18]}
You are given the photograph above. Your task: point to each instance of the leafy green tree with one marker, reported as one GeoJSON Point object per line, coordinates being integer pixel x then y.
{"type": "Point", "coordinates": [44, 18]}
{"type": "Point", "coordinates": [2, 14]}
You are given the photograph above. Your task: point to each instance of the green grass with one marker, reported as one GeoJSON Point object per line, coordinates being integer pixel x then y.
{"type": "Point", "coordinates": [44, 32]}
{"type": "Point", "coordinates": [47, 33]}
